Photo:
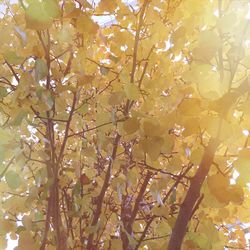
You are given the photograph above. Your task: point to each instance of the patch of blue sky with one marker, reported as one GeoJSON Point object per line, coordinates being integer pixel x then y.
{"type": "Point", "coordinates": [103, 21]}
{"type": "Point", "coordinates": [107, 20]}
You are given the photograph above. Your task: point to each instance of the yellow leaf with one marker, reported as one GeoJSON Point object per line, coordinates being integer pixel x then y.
{"type": "Point", "coordinates": [236, 194]}
{"type": "Point", "coordinates": [152, 146]}
{"type": "Point", "coordinates": [168, 144]}
{"type": "Point", "coordinates": [131, 125]}
{"type": "Point", "coordinates": [151, 127]}
{"type": "Point", "coordinates": [116, 98]}
{"type": "Point", "coordinates": [26, 241]}
{"type": "Point", "coordinates": [27, 222]}
{"type": "Point", "coordinates": [227, 22]}
{"type": "Point", "coordinates": [217, 126]}
{"type": "Point", "coordinates": [246, 61]}
{"type": "Point", "coordinates": [116, 244]}
{"type": "Point", "coordinates": [132, 91]}
{"type": "Point", "coordinates": [218, 186]}
{"type": "Point", "coordinates": [210, 87]}
{"type": "Point", "coordinates": [84, 24]}
{"type": "Point", "coordinates": [83, 79]}
{"type": "Point", "coordinates": [196, 156]}
{"type": "Point", "coordinates": [208, 45]}
{"type": "Point", "coordinates": [207, 81]}
{"type": "Point", "coordinates": [223, 213]}
{"type": "Point", "coordinates": [190, 107]}
{"type": "Point", "coordinates": [107, 5]}
{"type": "Point", "coordinates": [160, 211]}
{"type": "Point", "coordinates": [242, 166]}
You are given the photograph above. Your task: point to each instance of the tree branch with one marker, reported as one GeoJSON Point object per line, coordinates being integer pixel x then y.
{"type": "Point", "coordinates": [100, 197]}
{"type": "Point", "coordinates": [193, 193]}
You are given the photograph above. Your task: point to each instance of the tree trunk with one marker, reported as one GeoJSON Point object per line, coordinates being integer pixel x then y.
{"type": "Point", "coordinates": [192, 197]}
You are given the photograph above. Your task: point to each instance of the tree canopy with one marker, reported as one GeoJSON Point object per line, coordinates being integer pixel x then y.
{"type": "Point", "coordinates": [129, 136]}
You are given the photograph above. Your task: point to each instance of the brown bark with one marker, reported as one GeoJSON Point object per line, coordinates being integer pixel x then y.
{"type": "Point", "coordinates": [53, 206]}
{"type": "Point", "coordinates": [222, 106]}
{"type": "Point", "coordinates": [100, 198]}
{"type": "Point", "coordinates": [128, 224]}
{"type": "Point", "coordinates": [192, 197]}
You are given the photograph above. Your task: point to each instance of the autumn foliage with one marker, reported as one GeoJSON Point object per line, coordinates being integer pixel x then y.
{"type": "Point", "coordinates": [131, 135]}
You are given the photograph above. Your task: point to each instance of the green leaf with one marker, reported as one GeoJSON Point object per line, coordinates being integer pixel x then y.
{"type": "Point", "coordinates": [17, 120]}
{"type": "Point", "coordinates": [40, 14]}
{"type": "Point", "coordinates": [12, 58]}
{"type": "Point", "coordinates": [13, 180]}
{"type": "Point", "coordinates": [52, 8]}
{"type": "Point", "coordinates": [41, 69]}
{"type": "Point", "coordinates": [3, 92]}
{"type": "Point", "coordinates": [83, 109]}
{"type": "Point", "coordinates": [48, 99]}
{"type": "Point", "coordinates": [114, 58]}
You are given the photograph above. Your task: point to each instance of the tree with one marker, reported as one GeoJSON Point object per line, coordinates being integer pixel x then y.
{"type": "Point", "coordinates": [130, 136]}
